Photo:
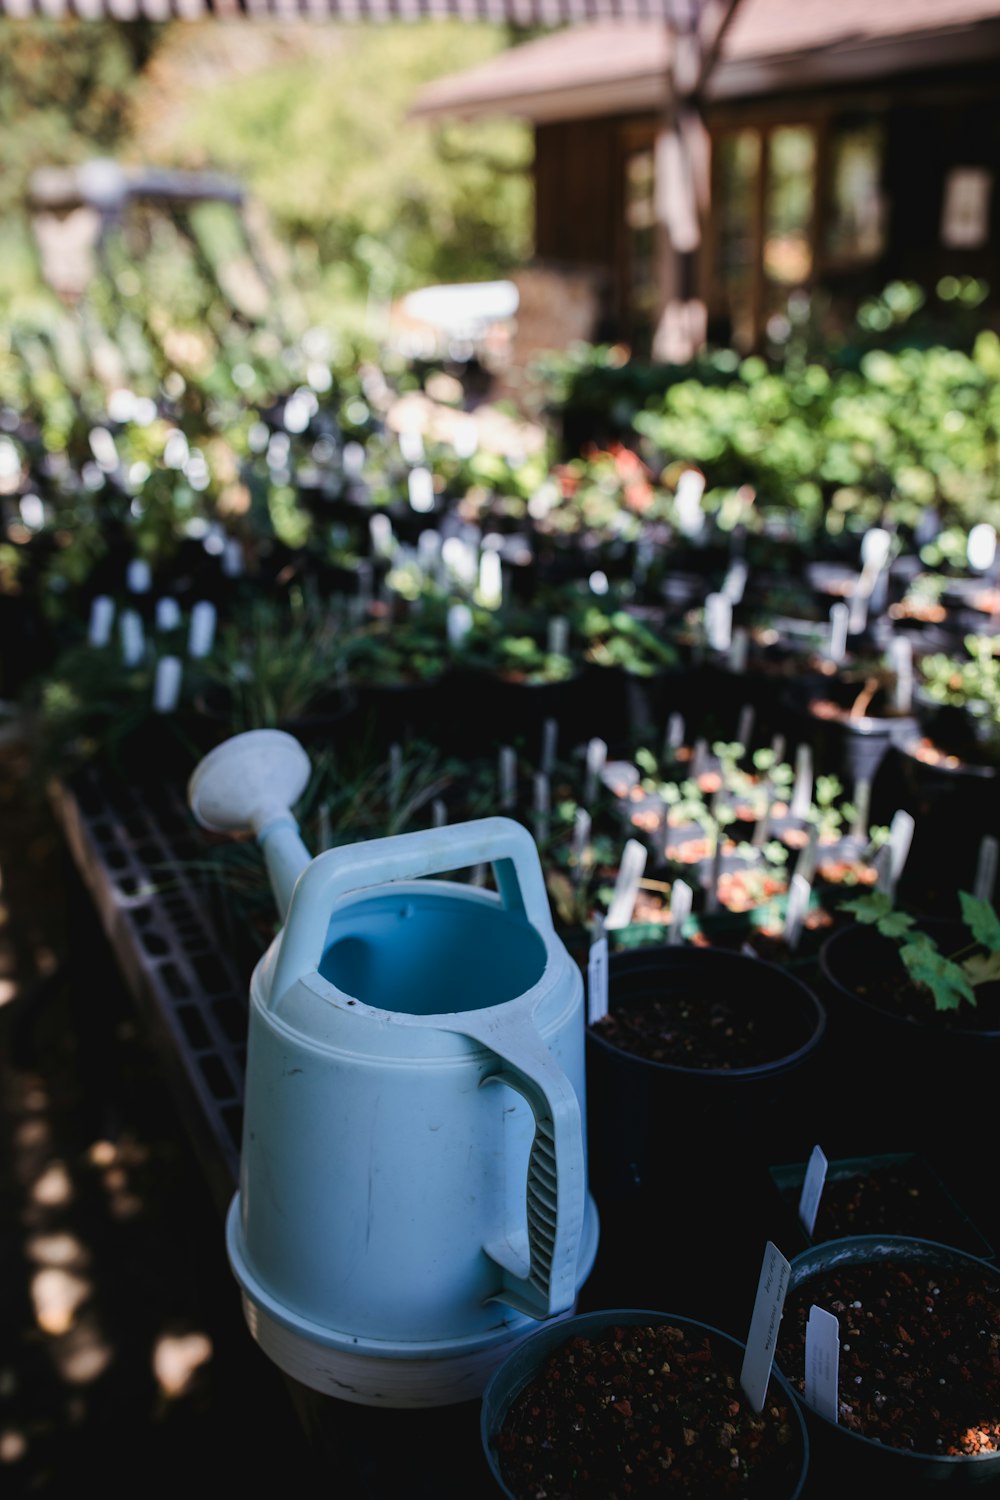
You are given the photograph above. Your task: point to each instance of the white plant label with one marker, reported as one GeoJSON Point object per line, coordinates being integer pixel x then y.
{"type": "Point", "coordinates": [201, 631]}
{"type": "Point", "coordinates": [630, 872]}
{"type": "Point", "coordinates": [541, 807]}
{"type": "Point", "coordinates": [597, 755]}
{"type": "Point", "coordinates": [439, 813]}
{"type": "Point", "coordinates": [898, 848]}
{"type": "Point", "coordinates": [353, 460]}
{"type": "Point", "coordinates": [778, 748]}
{"type": "Point", "coordinates": [715, 870]}
{"type": "Point", "coordinates": [690, 488]}
{"type": "Point", "coordinates": [762, 827]}
{"type": "Point", "coordinates": [102, 617]}
{"type": "Point", "coordinates": [822, 1363]}
{"type": "Point", "coordinates": [381, 533]}
{"type": "Point", "coordinates": [168, 613]}
{"type": "Point", "coordinates": [812, 1189]}
{"type": "Point", "coordinates": [803, 787]}
{"type": "Point", "coordinates": [840, 617]}
{"type": "Point", "coordinates": [550, 744]}
{"type": "Point", "coordinates": [799, 893]}
{"type": "Point", "coordinates": [232, 559]}
{"type": "Point", "coordinates": [744, 727]}
{"type": "Point", "coordinates": [862, 807]}
{"type": "Point", "coordinates": [490, 580]}
{"type": "Point", "coordinates": [806, 863]}
{"type": "Point", "coordinates": [718, 622]}
{"type": "Point", "coordinates": [857, 615]}
{"type": "Point", "coordinates": [735, 581]}
{"type": "Point", "coordinates": [167, 684]}
{"type": "Point", "coordinates": [558, 636]}
{"type": "Point", "coordinates": [420, 490]}
{"type": "Point", "coordinates": [597, 980]}
{"type": "Point", "coordinates": [581, 842]}
{"type": "Point", "coordinates": [901, 663]}
{"type": "Point", "coordinates": [459, 625]}
{"type": "Point", "coordinates": [699, 758]}
{"type": "Point", "coordinates": [507, 774]}
{"type": "Point", "coordinates": [674, 737]}
{"type": "Point", "coordinates": [986, 870]}
{"type": "Point", "coordinates": [875, 546]}
{"type": "Point", "coordinates": [981, 548]}
{"type": "Point", "coordinates": [411, 445]}
{"type": "Point", "coordinates": [681, 897]}
{"type": "Point", "coordinates": [739, 651]}
{"type": "Point", "coordinates": [429, 549]}
{"type": "Point", "coordinates": [139, 579]}
{"type": "Point", "coordinates": [133, 640]}
{"type": "Point", "coordinates": [758, 1356]}
{"type": "Point", "coordinates": [395, 773]}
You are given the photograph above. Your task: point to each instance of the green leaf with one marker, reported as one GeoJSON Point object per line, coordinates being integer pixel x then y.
{"type": "Point", "coordinates": [982, 968]}
{"type": "Point", "coordinates": [895, 924]}
{"type": "Point", "coordinates": [946, 981]}
{"type": "Point", "coordinates": [982, 921]}
{"type": "Point", "coordinates": [872, 907]}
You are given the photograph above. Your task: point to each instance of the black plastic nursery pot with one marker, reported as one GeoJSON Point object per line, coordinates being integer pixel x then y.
{"type": "Point", "coordinates": [671, 1137]}
{"type": "Point", "coordinates": [586, 1396]}
{"type": "Point", "coordinates": [954, 803]}
{"type": "Point", "coordinates": [916, 1076]}
{"type": "Point", "coordinates": [919, 1383]}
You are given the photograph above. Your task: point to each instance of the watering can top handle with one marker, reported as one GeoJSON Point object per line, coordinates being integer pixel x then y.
{"type": "Point", "coordinates": [356, 867]}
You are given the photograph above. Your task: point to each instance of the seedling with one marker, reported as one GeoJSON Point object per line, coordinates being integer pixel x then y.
{"type": "Point", "coordinates": [951, 977]}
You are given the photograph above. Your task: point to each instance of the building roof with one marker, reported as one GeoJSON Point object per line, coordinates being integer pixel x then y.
{"type": "Point", "coordinates": [615, 67]}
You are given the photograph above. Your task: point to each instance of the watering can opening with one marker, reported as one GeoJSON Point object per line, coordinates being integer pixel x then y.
{"type": "Point", "coordinates": [432, 953]}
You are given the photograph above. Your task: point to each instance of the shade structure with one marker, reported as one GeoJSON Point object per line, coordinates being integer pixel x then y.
{"type": "Point", "coordinates": [681, 15]}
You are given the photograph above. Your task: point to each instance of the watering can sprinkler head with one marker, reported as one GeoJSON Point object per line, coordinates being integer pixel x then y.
{"type": "Point", "coordinates": [249, 784]}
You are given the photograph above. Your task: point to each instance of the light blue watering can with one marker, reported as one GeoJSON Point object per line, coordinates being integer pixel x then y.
{"type": "Point", "coordinates": [413, 1186]}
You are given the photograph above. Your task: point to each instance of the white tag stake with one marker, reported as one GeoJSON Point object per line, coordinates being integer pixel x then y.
{"type": "Point", "coordinates": [778, 749]}
{"type": "Point", "coordinates": [739, 651]}
{"type": "Point", "coordinates": [812, 1190]}
{"type": "Point", "coordinates": [459, 623]}
{"type": "Point", "coordinates": [581, 843]}
{"type": "Point", "coordinates": [558, 636]}
{"type": "Point", "coordinates": [687, 498]}
{"type": "Point", "coordinates": [803, 789]}
{"type": "Point", "coordinates": [681, 898]}
{"type": "Point", "coordinates": [799, 893]}
{"type": "Point", "coordinates": [744, 728]}
{"type": "Point", "coordinates": [382, 538]}
{"type": "Point", "coordinates": [507, 776]}
{"type": "Point", "coordinates": [550, 742]}
{"type": "Point", "coordinates": [167, 684]}
{"type": "Point", "coordinates": [597, 755]}
{"type": "Point", "coordinates": [718, 622]}
{"type": "Point", "coordinates": [986, 870]}
{"type": "Point", "coordinates": [138, 578]}
{"type": "Point", "coordinates": [490, 580]}
{"type": "Point", "coordinates": [862, 806]}
{"type": "Point", "coordinates": [762, 1337]}
{"type": "Point", "coordinates": [674, 737]}
{"type": "Point", "coordinates": [822, 1363]}
{"type": "Point", "coordinates": [900, 839]}
{"type": "Point", "coordinates": [597, 976]}
{"type": "Point", "coordinates": [541, 807]}
{"type": "Point", "coordinates": [102, 615]}
{"type": "Point", "coordinates": [168, 613]}
{"type": "Point", "coordinates": [840, 617]}
{"type": "Point", "coordinates": [420, 490]}
{"type": "Point", "coordinates": [699, 759]}
{"type": "Point", "coordinates": [630, 872]}
{"type": "Point", "coordinates": [981, 547]}
{"type": "Point", "coordinates": [735, 581]}
{"type": "Point", "coordinates": [201, 631]}
{"type": "Point", "coordinates": [901, 663]}
{"type": "Point", "coordinates": [133, 642]}
{"type": "Point", "coordinates": [439, 813]}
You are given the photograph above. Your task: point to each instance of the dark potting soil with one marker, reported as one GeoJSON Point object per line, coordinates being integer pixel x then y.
{"type": "Point", "coordinates": [703, 1030]}
{"type": "Point", "coordinates": [895, 993]}
{"type": "Point", "coordinates": [640, 1411]}
{"type": "Point", "coordinates": [919, 1352]}
{"type": "Point", "coordinates": [887, 1197]}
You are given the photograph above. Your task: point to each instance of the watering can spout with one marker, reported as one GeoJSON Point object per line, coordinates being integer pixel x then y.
{"type": "Point", "coordinates": [249, 784]}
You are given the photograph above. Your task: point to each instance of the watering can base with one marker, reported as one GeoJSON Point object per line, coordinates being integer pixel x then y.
{"type": "Point", "coordinates": [373, 1372]}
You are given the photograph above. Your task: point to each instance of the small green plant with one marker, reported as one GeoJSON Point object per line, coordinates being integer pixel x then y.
{"type": "Point", "coordinates": [952, 977]}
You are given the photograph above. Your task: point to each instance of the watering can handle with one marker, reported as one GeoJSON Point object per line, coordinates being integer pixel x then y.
{"type": "Point", "coordinates": [557, 1179]}
{"type": "Point", "coordinates": [356, 867]}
